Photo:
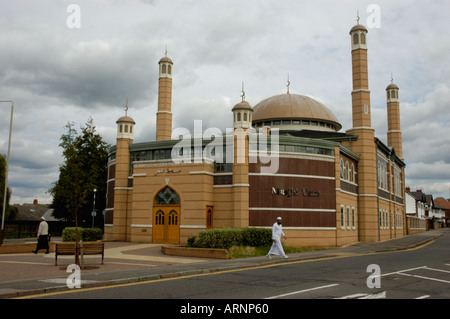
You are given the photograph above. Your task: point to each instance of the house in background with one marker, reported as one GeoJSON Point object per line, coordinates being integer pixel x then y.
{"type": "Point", "coordinates": [425, 207]}
{"type": "Point", "coordinates": [27, 222]}
{"type": "Point", "coordinates": [445, 204]}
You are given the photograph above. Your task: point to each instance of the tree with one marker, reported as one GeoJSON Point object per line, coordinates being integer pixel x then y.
{"type": "Point", "coordinates": [10, 211]}
{"type": "Point", "coordinates": [84, 169]}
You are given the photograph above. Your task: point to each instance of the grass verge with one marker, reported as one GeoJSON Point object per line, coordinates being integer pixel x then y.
{"type": "Point", "coordinates": [247, 251]}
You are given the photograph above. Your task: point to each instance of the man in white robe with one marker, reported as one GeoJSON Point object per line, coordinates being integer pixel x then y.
{"type": "Point", "coordinates": [42, 237]}
{"type": "Point", "coordinates": [277, 232]}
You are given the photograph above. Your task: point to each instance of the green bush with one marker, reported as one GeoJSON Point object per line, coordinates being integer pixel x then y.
{"type": "Point", "coordinates": [84, 234]}
{"type": "Point", "coordinates": [224, 238]}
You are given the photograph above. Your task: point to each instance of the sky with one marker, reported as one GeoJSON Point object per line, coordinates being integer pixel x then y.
{"type": "Point", "coordinates": [61, 63]}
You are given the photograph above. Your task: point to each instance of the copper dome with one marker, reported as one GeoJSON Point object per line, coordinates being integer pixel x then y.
{"type": "Point", "coordinates": [296, 107]}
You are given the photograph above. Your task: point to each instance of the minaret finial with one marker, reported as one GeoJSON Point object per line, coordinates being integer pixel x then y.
{"type": "Point", "coordinates": [243, 92]}
{"type": "Point", "coordinates": [392, 79]}
{"type": "Point", "coordinates": [166, 51]}
{"type": "Point", "coordinates": [357, 17]}
{"type": "Point", "coordinates": [288, 83]}
{"type": "Point", "coordinates": [126, 107]}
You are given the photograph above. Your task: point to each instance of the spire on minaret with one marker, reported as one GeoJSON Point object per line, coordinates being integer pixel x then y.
{"type": "Point", "coordinates": [288, 83]}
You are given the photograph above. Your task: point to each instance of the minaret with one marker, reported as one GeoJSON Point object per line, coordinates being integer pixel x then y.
{"type": "Point", "coordinates": [164, 114]}
{"type": "Point", "coordinates": [365, 143]}
{"type": "Point", "coordinates": [394, 134]}
{"type": "Point", "coordinates": [242, 122]}
{"type": "Point", "coordinates": [125, 126]}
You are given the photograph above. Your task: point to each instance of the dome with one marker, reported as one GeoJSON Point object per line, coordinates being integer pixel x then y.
{"type": "Point", "coordinates": [302, 110]}
{"type": "Point", "coordinates": [358, 27]}
{"type": "Point", "coordinates": [125, 119]}
{"type": "Point", "coordinates": [242, 106]}
{"type": "Point", "coordinates": [165, 59]}
{"type": "Point", "coordinates": [392, 86]}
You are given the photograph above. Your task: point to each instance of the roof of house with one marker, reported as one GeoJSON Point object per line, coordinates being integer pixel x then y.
{"type": "Point", "coordinates": [441, 201]}
{"type": "Point", "coordinates": [30, 212]}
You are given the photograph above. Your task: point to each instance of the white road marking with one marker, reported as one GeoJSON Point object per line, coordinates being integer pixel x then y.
{"type": "Point", "coordinates": [301, 291]}
{"type": "Point", "coordinates": [423, 297]}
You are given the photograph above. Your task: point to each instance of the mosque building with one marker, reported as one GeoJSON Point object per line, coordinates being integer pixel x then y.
{"type": "Point", "coordinates": [284, 157]}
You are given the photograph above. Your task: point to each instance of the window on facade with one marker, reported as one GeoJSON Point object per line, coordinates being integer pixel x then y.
{"type": "Point", "coordinates": [167, 197]}
{"type": "Point", "coordinates": [170, 69]}
{"type": "Point", "coordinates": [342, 167]}
{"type": "Point", "coordinates": [348, 217]}
{"type": "Point", "coordinates": [245, 116]}
{"type": "Point", "coordinates": [353, 217]}
{"type": "Point", "coordinates": [163, 69]}
{"type": "Point", "coordinates": [159, 217]}
{"type": "Point", "coordinates": [342, 217]}
{"type": "Point", "coordinates": [209, 217]}
{"type": "Point", "coordinates": [173, 218]}
{"type": "Point", "coordinates": [363, 38]}
{"type": "Point", "coordinates": [355, 38]}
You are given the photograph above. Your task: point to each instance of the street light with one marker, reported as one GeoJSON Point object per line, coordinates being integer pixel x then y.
{"type": "Point", "coordinates": [2, 230]}
{"type": "Point", "coordinates": [94, 212]}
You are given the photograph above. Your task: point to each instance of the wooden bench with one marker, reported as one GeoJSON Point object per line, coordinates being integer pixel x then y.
{"type": "Point", "coordinates": [91, 248]}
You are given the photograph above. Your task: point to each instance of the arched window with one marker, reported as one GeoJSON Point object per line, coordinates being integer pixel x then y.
{"type": "Point", "coordinates": [173, 218]}
{"type": "Point", "coordinates": [170, 69]}
{"type": "Point", "coordinates": [363, 38]}
{"type": "Point", "coordinates": [347, 176]}
{"type": "Point", "coordinates": [353, 174]}
{"type": "Point", "coordinates": [239, 117]}
{"type": "Point", "coordinates": [345, 171]}
{"type": "Point", "coordinates": [167, 197]}
{"type": "Point", "coordinates": [341, 164]}
{"type": "Point", "coordinates": [120, 128]}
{"type": "Point", "coordinates": [159, 217]}
{"type": "Point", "coordinates": [355, 38]}
{"type": "Point", "coordinates": [245, 116]}
{"type": "Point", "coordinates": [126, 128]}
{"type": "Point", "coordinates": [163, 69]}
{"type": "Point", "coordinates": [388, 94]}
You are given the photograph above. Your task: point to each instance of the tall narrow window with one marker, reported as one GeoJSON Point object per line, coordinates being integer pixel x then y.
{"type": "Point", "coordinates": [163, 69]}
{"type": "Point", "coordinates": [356, 38]}
{"type": "Point", "coordinates": [363, 38]}
{"type": "Point", "coordinates": [209, 216]}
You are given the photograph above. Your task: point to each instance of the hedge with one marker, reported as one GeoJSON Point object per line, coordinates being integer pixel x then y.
{"type": "Point", "coordinates": [84, 234]}
{"type": "Point", "coordinates": [224, 238]}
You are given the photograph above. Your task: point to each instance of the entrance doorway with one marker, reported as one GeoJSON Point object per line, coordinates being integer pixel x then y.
{"type": "Point", "coordinates": [166, 217]}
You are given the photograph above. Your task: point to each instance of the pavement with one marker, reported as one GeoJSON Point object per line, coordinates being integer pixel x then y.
{"type": "Point", "coordinates": [26, 274]}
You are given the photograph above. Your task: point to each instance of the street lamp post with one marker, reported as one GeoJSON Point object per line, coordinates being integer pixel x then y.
{"type": "Point", "coordinates": [94, 212]}
{"type": "Point", "coordinates": [2, 230]}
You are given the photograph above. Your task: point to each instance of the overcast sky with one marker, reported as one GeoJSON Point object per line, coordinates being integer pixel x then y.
{"type": "Point", "coordinates": [56, 73]}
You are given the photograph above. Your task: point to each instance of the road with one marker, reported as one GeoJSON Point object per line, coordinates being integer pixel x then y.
{"type": "Point", "coordinates": [421, 273]}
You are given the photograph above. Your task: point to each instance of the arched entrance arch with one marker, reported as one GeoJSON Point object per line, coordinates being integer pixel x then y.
{"type": "Point", "coordinates": [166, 217]}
